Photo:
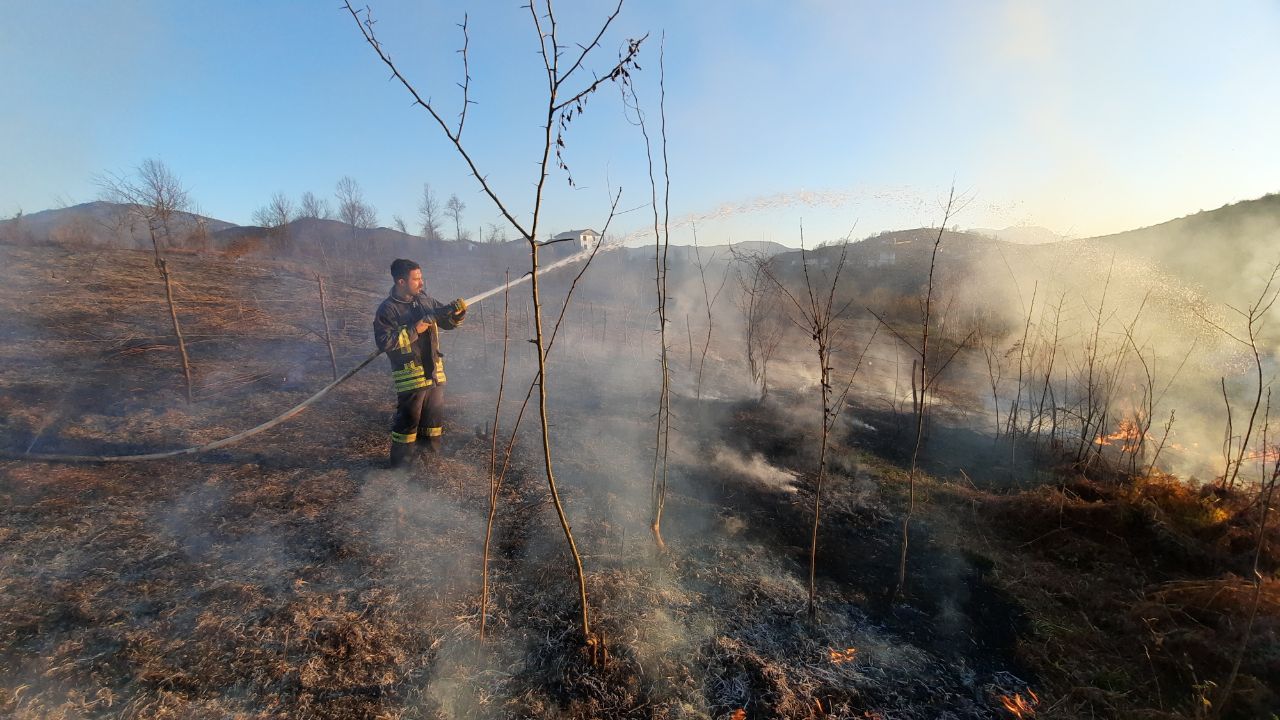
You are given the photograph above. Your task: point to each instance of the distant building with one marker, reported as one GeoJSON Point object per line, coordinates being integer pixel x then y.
{"type": "Point", "coordinates": [882, 258]}
{"type": "Point", "coordinates": [585, 239]}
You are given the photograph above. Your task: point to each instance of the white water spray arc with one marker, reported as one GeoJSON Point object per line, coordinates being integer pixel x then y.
{"type": "Point", "coordinates": [578, 257]}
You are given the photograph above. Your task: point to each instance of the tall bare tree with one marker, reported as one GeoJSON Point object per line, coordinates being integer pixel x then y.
{"type": "Point", "coordinates": [817, 316]}
{"type": "Point", "coordinates": [709, 301]}
{"type": "Point", "coordinates": [564, 101]}
{"type": "Point", "coordinates": [352, 209]}
{"type": "Point", "coordinates": [313, 207]}
{"type": "Point", "coordinates": [764, 325]}
{"type": "Point", "coordinates": [1254, 317]}
{"type": "Point", "coordinates": [661, 247]}
{"type": "Point", "coordinates": [152, 194]}
{"type": "Point", "coordinates": [454, 209]}
{"type": "Point", "coordinates": [429, 213]}
{"type": "Point", "coordinates": [277, 213]}
{"type": "Point", "coordinates": [927, 377]}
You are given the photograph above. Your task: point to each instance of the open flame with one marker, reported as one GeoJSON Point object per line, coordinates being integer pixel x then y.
{"type": "Point", "coordinates": [1020, 707]}
{"type": "Point", "coordinates": [1127, 436]}
{"type": "Point", "coordinates": [842, 656]}
{"type": "Point", "coordinates": [1268, 456]}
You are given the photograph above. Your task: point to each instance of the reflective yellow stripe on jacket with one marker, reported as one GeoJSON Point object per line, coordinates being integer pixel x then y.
{"type": "Point", "coordinates": [413, 376]}
{"type": "Point", "coordinates": [410, 377]}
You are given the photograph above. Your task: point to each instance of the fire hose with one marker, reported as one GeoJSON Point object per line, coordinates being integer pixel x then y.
{"type": "Point", "coordinates": [296, 409]}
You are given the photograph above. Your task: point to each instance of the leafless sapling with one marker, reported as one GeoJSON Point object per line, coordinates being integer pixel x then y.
{"type": "Point", "coordinates": [429, 213]}
{"type": "Point", "coordinates": [926, 380]}
{"type": "Point", "coordinates": [155, 196]}
{"type": "Point", "coordinates": [352, 208]}
{"type": "Point", "coordinates": [1254, 317]}
{"type": "Point", "coordinates": [709, 301]}
{"type": "Point", "coordinates": [177, 327]}
{"type": "Point", "coordinates": [759, 304]}
{"type": "Point", "coordinates": [151, 194]}
{"type": "Point", "coordinates": [312, 207]}
{"type": "Point", "coordinates": [328, 338]}
{"type": "Point", "coordinates": [1266, 495]}
{"type": "Point", "coordinates": [1015, 409]}
{"type": "Point", "coordinates": [564, 101]}
{"type": "Point", "coordinates": [661, 247]}
{"type": "Point", "coordinates": [1092, 406]}
{"type": "Point", "coordinates": [276, 213]}
{"type": "Point", "coordinates": [817, 316]}
{"type": "Point", "coordinates": [453, 208]}
{"type": "Point", "coordinates": [495, 480]}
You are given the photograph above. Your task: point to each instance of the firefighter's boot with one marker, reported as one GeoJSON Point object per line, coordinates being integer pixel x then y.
{"type": "Point", "coordinates": [401, 455]}
{"type": "Point", "coordinates": [431, 445]}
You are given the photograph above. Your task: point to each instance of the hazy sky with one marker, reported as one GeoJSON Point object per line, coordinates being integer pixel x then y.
{"type": "Point", "coordinates": [1084, 117]}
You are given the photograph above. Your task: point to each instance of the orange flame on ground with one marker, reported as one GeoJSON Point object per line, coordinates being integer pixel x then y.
{"type": "Point", "coordinates": [1268, 456]}
{"type": "Point", "coordinates": [1021, 708]}
{"type": "Point", "coordinates": [739, 714]}
{"type": "Point", "coordinates": [1127, 436]}
{"type": "Point", "coordinates": [842, 656]}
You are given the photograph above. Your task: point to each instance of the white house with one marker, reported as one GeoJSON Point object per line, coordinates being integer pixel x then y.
{"type": "Point", "coordinates": [585, 239]}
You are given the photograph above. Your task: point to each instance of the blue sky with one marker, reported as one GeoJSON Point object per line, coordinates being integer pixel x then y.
{"type": "Point", "coordinates": [1084, 117]}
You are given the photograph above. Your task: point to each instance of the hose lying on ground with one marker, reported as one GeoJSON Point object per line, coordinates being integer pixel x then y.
{"type": "Point", "coordinates": [198, 448]}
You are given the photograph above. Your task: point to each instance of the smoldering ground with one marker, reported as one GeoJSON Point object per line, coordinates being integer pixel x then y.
{"type": "Point", "coordinates": [291, 577]}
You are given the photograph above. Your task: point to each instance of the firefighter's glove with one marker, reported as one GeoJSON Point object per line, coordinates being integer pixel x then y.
{"type": "Point", "coordinates": [458, 309]}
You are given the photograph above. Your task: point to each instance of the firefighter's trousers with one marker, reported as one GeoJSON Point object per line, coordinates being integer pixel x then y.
{"type": "Point", "coordinates": [419, 422]}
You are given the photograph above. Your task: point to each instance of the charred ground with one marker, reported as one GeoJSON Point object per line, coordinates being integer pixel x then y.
{"type": "Point", "coordinates": [291, 576]}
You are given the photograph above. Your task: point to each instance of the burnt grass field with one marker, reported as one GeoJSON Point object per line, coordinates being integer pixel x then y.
{"type": "Point", "coordinates": [293, 576]}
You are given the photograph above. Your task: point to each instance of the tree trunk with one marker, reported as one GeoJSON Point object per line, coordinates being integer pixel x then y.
{"type": "Point", "coordinates": [177, 328]}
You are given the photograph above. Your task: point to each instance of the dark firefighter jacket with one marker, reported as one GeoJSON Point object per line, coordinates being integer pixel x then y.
{"type": "Point", "coordinates": [416, 361]}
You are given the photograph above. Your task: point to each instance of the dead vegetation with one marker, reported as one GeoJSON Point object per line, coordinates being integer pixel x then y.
{"type": "Point", "coordinates": [291, 577]}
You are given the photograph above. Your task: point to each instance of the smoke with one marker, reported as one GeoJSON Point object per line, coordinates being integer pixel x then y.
{"type": "Point", "coordinates": [753, 468]}
{"type": "Point", "coordinates": [423, 535]}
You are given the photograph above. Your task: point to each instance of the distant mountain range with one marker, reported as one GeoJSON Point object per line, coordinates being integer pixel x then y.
{"type": "Point", "coordinates": [1231, 246]}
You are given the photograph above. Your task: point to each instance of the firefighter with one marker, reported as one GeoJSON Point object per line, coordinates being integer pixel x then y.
{"type": "Point", "coordinates": [407, 327]}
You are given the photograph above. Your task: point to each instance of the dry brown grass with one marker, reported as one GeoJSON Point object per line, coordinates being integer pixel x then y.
{"type": "Point", "coordinates": [292, 577]}
{"type": "Point", "coordinates": [1134, 610]}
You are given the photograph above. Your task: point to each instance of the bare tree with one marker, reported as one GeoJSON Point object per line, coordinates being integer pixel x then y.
{"type": "Point", "coordinates": [454, 209]}
{"type": "Point", "coordinates": [495, 480]}
{"type": "Point", "coordinates": [921, 374]}
{"type": "Point", "coordinates": [275, 214]}
{"type": "Point", "coordinates": [429, 213]}
{"type": "Point", "coordinates": [661, 246]}
{"type": "Point", "coordinates": [312, 207]}
{"type": "Point", "coordinates": [1253, 316]}
{"type": "Point", "coordinates": [709, 300]}
{"type": "Point", "coordinates": [177, 327]}
{"type": "Point", "coordinates": [1266, 495]}
{"type": "Point", "coordinates": [494, 234]}
{"type": "Point", "coordinates": [151, 194]}
{"type": "Point", "coordinates": [817, 316]}
{"type": "Point", "coordinates": [398, 223]}
{"type": "Point", "coordinates": [563, 102]}
{"type": "Point", "coordinates": [352, 209]}
{"type": "Point", "coordinates": [760, 304]}
{"type": "Point", "coordinates": [1092, 412]}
